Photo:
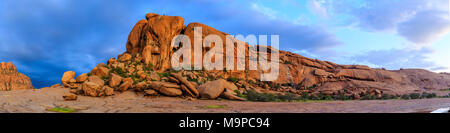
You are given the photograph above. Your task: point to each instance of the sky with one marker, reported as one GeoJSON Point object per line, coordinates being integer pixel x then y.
{"type": "Point", "coordinates": [46, 38]}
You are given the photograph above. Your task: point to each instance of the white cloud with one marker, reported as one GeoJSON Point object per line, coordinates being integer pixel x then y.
{"type": "Point", "coordinates": [425, 28]}
{"type": "Point", "coordinates": [316, 7]}
{"type": "Point", "coordinates": [420, 21]}
{"type": "Point", "coordinates": [399, 58]}
{"type": "Point", "coordinates": [265, 10]}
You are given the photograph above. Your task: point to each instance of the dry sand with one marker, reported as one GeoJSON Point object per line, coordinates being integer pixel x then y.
{"type": "Point", "coordinates": [38, 101]}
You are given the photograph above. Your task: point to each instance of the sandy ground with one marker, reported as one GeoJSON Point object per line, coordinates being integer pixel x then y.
{"type": "Point", "coordinates": [38, 101]}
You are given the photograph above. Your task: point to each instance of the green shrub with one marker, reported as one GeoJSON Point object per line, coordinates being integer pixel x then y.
{"type": "Point", "coordinates": [61, 110]}
{"type": "Point", "coordinates": [414, 96]}
{"type": "Point", "coordinates": [193, 80]}
{"type": "Point", "coordinates": [276, 86]}
{"type": "Point", "coordinates": [250, 82]}
{"type": "Point", "coordinates": [264, 97]}
{"type": "Point", "coordinates": [215, 106]}
{"type": "Point", "coordinates": [119, 72]}
{"type": "Point", "coordinates": [342, 97]}
{"type": "Point", "coordinates": [105, 77]}
{"type": "Point", "coordinates": [428, 95]}
{"type": "Point", "coordinates": [233, 79]}
{"type": "Point", "coordinates": [312, 87]}
{"type": "Point", "coordinates": [327, 98]}
{"type": "Point", "coordinates": [369, 97]}
{"type": "Point", "coordinates": [387, 97]}
{"type": "Point", "coordinates": [314, 97]}
{"type": "Point", "coordinates": [210, 78]}
{"type": "Point", "coordinates": [433, 95]}
{"type": "Point", "coordinates": [406, 97]}
{"type": "Point", "coordinates": [287, 97]}
{"type": "Point", "coordinates": [166, 74]}
{"type": "Point", "coordinates": [287, 62]}
{"type": "Point", "coordinates": [305, 96]}
{"type": "Point", "coordinates": [239, 94]}
{"type": "Point", "coordinates": [446, 89]}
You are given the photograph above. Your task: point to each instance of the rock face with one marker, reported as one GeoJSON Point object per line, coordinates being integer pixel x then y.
{"type": "Point", "coordinates": [153, 36]}
{"type": "Point", "coordinates": [11, 80]}
{"type": "Point", "coordinates": [213, 89]}
{"type": "Point", "coordinates": [70, 97]}
{"type": "Point", "coordinates": [145, 67]}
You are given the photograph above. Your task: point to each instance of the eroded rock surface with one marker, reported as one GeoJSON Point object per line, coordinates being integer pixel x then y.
{"type": "Point", "coordinates": [146, 65]}
{"type": "Point", "coordinates": [11, 80]}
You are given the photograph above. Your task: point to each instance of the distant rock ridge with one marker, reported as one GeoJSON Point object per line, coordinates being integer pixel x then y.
{"type": "Point", "coordinates": [145, 67]}
{"type": "Point", "coordinates": [10, 79]}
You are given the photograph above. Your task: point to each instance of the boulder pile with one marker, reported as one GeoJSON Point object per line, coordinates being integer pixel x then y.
{"type": "Point", "coordinates": [146, 67]}
{"type": "Point", "coordinates": [129, 74]}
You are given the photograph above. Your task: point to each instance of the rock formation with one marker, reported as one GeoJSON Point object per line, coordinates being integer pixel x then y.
{"type": "Point", "coordinates": [10, 79]}
{"type": "Point", "coordinates": [145, 67]}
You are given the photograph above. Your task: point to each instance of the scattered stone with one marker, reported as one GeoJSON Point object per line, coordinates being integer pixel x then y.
{"type": "Point", "coordinates": [112, 61]}
{"type": "Point", "coordinates": [97, 80]}
{"type": "Point", "coordinates": [81, 78]}
{"type": "Point", "coordinates": [66, 78]}
{"type": "Point", "coordinates": [70, 97]}
{"type": "Point", "coordinates": [187, 83]}
{"type": "Point", "coordinates": [56, 86]}
{"type": "Point", "coordinates": [154, 76]}
{"type": "Point", "coordinates": [74, 86]}
{"type": "Point", "coordinates": [115, 80]}
{"type": "Point", "coordinates": [140, 86]}
{"type": "Point", "coordinates": [232, 96]}
{"type": "Point", "coordinates": [213, 89]}
{"type": "Point", "coordinates": [150, 92]}
{"type": "Point", "coordinates": [185, 89]}
{"type": "Point", "coordinates": [125, 57]}
{"type": "Point", "coordinates": [356, 96]}
{"type": "Point", "coordinates": [91, 89]}
{"type": "Point", "coordinates": [108, 90]}
{"type": "Point", "coordinates": [126, 84]}
{"type": "Point", "coordinates": [170, 91]}
{"type": "Point", "coordinates": [74, 91]}
{"type": "Point", "coordinates": [100, 71]}
{"type": "Point", "coordinates": [173, 80]}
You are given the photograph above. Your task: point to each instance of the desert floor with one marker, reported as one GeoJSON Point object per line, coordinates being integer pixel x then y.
{"type": "Point", "coordinates": [37, 101]}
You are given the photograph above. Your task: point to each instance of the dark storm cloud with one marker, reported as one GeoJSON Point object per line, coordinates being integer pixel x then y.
{"type": "Point", "coordinates": [46, 38]}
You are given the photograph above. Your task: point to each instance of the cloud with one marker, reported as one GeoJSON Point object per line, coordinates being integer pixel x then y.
{"type": "Point", "coordinates": [292, 35]}
{"type": "Point", "coordinates": [316, 7]}
{"type": "Point", "coordinates": [419, 21]}
{"type": "Point", "coordinates": [265, 10]}
{"type": "Point", "coordinates": [425, 27]}
{"type": "Point", "coordinates": [46, 38]}
{"type": "Point", "coordinates": [398, 58]}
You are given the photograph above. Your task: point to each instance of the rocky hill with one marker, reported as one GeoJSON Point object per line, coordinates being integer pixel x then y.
{"type": "Point", "coordinates": [145, 67]}
{"type": "Point", "coordinates": [10, 79]}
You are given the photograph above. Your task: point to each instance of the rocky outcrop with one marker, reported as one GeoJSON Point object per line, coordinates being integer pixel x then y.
{"type": "Point", "coordinates": [145, 67]}
{"type": "Point", "coordinates": [214, 89]}
{"type": "Point", "coordinates": [152, 38]}
{"type": "Point", "coordinates": [70, 97]}
{"type": "Point", "coordinates": [11, 80]}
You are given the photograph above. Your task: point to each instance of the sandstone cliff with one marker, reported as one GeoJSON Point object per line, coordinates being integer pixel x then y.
{"type": "Point", "coordinates": [145, 66]}
{"type": "Point", "coordinates": [10, 79]}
